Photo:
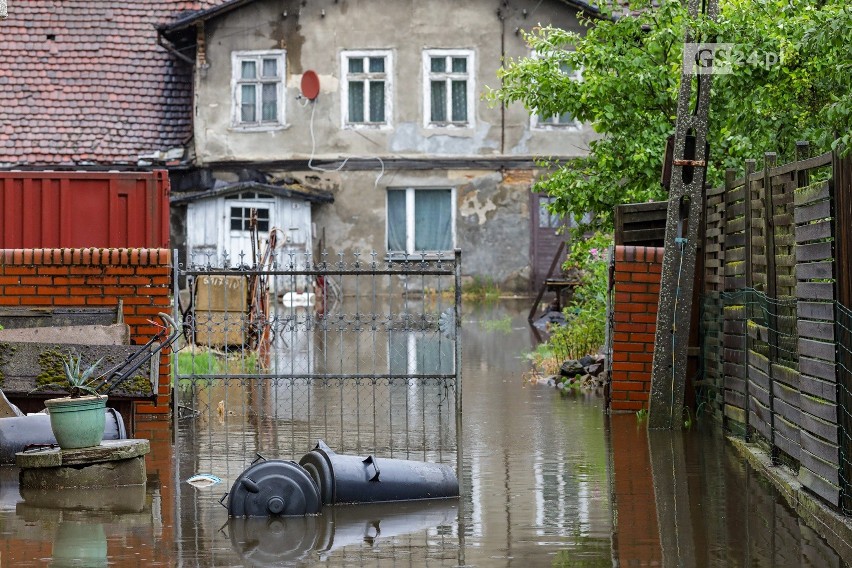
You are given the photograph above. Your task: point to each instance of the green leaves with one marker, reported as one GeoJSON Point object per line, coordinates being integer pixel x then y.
{"type": "Point", "coordinates": [791, 79]}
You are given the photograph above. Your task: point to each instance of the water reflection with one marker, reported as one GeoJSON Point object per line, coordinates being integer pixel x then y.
{"type": "Point", "coordinates": [687, 499]}
{"type": "Point", "coordinates": [294, 541]}
{"type": "Point", "coordinates": [548, 480]}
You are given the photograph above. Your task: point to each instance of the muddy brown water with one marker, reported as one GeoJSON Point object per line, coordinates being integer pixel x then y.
{"type": "Point", "coordinates": [549, 480]}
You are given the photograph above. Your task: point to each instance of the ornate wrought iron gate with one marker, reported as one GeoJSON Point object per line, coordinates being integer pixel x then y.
{"type": "Point", "coordinates": [360, 352]}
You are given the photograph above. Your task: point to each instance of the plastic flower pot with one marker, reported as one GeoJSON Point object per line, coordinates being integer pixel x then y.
{"type": "Point", "coordinates": [77, 422]}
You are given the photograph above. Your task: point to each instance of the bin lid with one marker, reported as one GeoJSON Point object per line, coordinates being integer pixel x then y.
{"type": "Point", "coordinates": [273, 488]}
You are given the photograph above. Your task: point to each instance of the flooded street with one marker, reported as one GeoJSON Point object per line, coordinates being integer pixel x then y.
{"type": "Point", "coordinates": [547, 480]}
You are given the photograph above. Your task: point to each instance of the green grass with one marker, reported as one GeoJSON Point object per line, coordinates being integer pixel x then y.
{"type": "Point", "coordinates": [202, 361]}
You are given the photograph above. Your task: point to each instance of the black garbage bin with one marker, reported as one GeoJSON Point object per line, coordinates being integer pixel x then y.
{"type": "Point", "coordinates": [356, 479]}
{"type": "Point", "coordinates": [273, 488]}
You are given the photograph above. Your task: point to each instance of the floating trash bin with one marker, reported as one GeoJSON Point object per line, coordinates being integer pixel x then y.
{"type": "Point", "coordinates": [356, 479]}
{"type": "Point", "coordinates": [273, 488]}
{"type": "Point", "coordinates": [323, 477]}
{"type": "Point", "coordinates": [20, 432]}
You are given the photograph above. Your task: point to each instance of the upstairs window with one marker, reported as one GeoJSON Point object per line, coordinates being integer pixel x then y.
{"type": "Point", "coordinates": [448, 87]}
{"type": "Point", "coordinates": [366, 88]}
{"type": "Point", "coordinates": [258, 89]}
{"type": "Point", "coordinates": [559, 121]}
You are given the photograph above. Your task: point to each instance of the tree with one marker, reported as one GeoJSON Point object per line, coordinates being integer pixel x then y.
{"type": "Point", "coordinates": [789, 80]}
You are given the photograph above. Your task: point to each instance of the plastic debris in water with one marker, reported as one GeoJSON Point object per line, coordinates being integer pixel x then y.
{"type": "Point", "coordinates": [202, 480]}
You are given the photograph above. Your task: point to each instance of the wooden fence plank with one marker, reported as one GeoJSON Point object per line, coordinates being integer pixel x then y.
{"type": "Point", "coordinates": [815, 270]}
{"type": "Point", "coordinates": [818, 388]}
{"type": "Point", "coordinates": [813, 212]}
{"type": "Point", "coordinates": [814, 231]}
{"type": "Point", "coordinates": [814, 251]}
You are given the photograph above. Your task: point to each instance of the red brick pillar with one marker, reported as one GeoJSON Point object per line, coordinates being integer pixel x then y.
{"type": "Point", "coordinates": [636, 295]}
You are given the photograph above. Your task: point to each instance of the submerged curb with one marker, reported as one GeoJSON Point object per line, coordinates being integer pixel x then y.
{"type": "Point", "coordinates": [833, 527]}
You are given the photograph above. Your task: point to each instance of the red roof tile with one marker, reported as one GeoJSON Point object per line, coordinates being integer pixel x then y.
{"type": "Point", "coordinates": [85, 81]}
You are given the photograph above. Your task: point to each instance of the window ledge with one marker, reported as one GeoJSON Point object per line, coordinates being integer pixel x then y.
{"type": "Point", "coordinates": [263, 128]}
{"type": "Point", "coordinates": [367, 126]}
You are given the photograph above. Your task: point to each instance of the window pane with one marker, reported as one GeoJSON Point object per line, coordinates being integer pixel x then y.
{"type": "Point", "coordinates": [439, 101]}
{"type": "Point", "coordinates": [356, 65]}
{"type": "Point", "coordinates": [247, 103]}
{"type": "Point", "coordinates": [459, 64]}
{"type": "Point", "coordinates": [439, 64]}
{"type": "Point", "coordinates": [249, 70]}
{"type": "Point", "coordinates": [566, 118]}
{"type": "Point", "coordinates": [546, 219]}
{"type": "Point", "coordinates": [377, 65]}
{"type": "Point", "coordinates": [270, 68]}
{"type": "Point", "coordinates": [236, 218]}
{"type": "Point", "coordinates": [263, 214]}
{"type": "Point", "coordinates": [397, 235]}
{"type": "Point", "coordinates": [377, 101]}
{"type": "Point", "coordinates": [433, 220]}
{"type": "Point", "coordinates": [356, 101]}
{"type": "Point", "coordinates": [263, 225]}
{"type": "Point", "coordinates": [459, 101]}
{"type": "Point", "coordinates": [270, 102]}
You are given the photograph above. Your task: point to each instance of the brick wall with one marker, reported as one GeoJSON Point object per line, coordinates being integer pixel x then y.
{"type": "Point", "coordinates": [636, 294]}
{"type": "Point", "coordinates": [140, 278]}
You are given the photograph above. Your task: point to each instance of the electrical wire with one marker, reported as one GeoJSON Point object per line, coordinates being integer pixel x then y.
{"type": "Point", "coordinates": [342, 165]}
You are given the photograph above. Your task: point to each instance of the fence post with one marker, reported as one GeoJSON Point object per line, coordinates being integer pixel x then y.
{"type": "Point", "coordinates": [750, 167]}
{"type": "Point", "coordinates": [842, 178]}
{"type": "Point", "coordinates": [771, 292]}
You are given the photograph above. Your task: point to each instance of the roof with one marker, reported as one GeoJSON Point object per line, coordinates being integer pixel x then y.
{"type": "Point", "coordinates": [185, 22]}
{"type": "Point", "coordinates": [297, 191]}
{"type": "Point", "coordinates": [84, 82]}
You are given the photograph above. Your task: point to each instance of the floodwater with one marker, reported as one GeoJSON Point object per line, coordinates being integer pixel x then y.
{"type": "Point", "coordinates": [548, 480]}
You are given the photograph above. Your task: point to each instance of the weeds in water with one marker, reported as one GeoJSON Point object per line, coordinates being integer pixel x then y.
{"type": "Point", "coordinates": [688, 421]}
{"type": "Point", "coordinates": [502, 325]}
{"type": "Point", "coordinates": [195, 361]}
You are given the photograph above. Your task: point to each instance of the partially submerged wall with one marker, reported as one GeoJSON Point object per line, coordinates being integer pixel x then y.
{"type": "Point", "coordinates": [139, 278]}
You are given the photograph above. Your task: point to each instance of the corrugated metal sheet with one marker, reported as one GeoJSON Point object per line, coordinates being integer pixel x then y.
{"type": "Point", "coordinates": [84, 209]}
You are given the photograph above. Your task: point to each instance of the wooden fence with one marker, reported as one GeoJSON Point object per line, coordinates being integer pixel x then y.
{"type": "Point", "coordinates": [775, 318]}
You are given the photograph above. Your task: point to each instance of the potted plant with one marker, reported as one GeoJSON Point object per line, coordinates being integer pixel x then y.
{"type": "Point", "coordinates": [78, 419]}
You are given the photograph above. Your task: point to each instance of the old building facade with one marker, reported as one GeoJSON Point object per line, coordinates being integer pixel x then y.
{"type": "Point", "coordinates": [380, 104]}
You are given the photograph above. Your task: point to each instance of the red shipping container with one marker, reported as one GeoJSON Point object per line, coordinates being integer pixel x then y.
{"type": "Point", "coordinates": [51, 209]}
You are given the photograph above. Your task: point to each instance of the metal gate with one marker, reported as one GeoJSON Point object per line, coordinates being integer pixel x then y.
{"type": "Point", "coordinates": [361, 352]}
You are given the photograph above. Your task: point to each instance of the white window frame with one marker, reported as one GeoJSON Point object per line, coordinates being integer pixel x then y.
{"type": "Point", "coordinates": [410, 217]}
{"type": "Point", "coordinates": [428, 76]}
{"type": "Point", "coordinates": [553, 123]}
{"type": "Point", "coordinates": [237, 57]}
{"type": "Point", "coordinates": [366, 76]}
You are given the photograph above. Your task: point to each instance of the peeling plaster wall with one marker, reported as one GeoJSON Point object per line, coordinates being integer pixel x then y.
{"type": "Point", "coordinates": [492, 219]}
{"type": "Point", "coordinates": [407, 27]}
{"type": "Point", "coordinates": [492, 206]}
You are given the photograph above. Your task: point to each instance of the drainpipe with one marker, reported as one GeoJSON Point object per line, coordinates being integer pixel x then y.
{"type": "Point", "coordinates": [502, 16]}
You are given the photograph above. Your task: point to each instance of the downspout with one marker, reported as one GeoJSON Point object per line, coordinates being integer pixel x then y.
{"type": "Point", "coordinates": [502, 18]}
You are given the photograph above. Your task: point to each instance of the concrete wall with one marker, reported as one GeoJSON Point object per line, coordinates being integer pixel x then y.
{"type": "Point", "coordinates": [406, 27]}
{"type": "Point", "coordinates": [492, 200]}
